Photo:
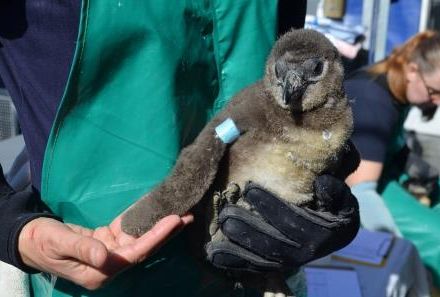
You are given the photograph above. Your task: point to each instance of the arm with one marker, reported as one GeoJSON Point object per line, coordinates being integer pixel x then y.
{"type": "Point", "coordinates": [368, 171]}
{"type": "Point", "coordinates": [33, 240]}
{"type": "Point", "coordinates": [374, 213]}
{"type": "Point", "coordinates": [371, 137]}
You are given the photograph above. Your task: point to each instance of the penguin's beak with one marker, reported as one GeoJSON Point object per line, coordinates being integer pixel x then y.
{"type": "Point", "coordinates": [294, 87]}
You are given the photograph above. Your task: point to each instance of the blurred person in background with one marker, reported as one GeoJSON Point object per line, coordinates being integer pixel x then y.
{"type": "Point", "coordinates": [381, 95]}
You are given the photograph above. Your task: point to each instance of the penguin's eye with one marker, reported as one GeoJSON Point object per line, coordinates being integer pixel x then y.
{"type": "Point", "coordinates": [313, 67]}
{"type": "Point", "coordinates": [319, 66]}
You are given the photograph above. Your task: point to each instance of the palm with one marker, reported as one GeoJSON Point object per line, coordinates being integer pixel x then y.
{"type": "Point", "coordinates": [121, 250]}
{"type": "Point", "coordinates": [90, 257]}
{"type": "Point", "coordinates": [125, 250]}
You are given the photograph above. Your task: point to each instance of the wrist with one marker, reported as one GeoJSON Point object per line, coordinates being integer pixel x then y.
{"type": "Point", "coordinates": [16, 210]}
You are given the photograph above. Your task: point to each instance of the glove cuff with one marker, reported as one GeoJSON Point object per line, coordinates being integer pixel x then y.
{"type": "Point", "coordinates": [372, 208]}
{"type": "Point", "coordinates": [364, 186]}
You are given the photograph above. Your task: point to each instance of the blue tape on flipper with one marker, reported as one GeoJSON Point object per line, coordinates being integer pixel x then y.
{"type": "Point", "coordinates": [227, 131]}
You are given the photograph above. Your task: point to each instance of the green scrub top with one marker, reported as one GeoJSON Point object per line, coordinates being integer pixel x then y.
{"type": "Point", "coordinates": [146, 76]}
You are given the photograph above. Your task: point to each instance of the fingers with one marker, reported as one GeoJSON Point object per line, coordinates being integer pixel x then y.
{"type": "Point", "coordinates": [252, 233]}
{"type": "Point", "coordinates": [335, 196]}
{"type": "Point", "coordinates": [352, 158]}
{"type": "Point", "coordinates": [187, 219]}
{"type": "Point", "coordinates": [227, 255]}
{"type": "Point", "coordinates": [106, 236]}
{"type": "Point", "coordinates": [287, 234]}
{"type": "Point", "coordinates": [101, 257]}
{"type": "Point", "coordinates": [349, 160]}
{"type": "Point", "coordinates": [148, 243]}
{"type": "Point", "coordinates": [330, 193]}
{"type": "Point", "coordinates": [289, 219]}
{"type": "Point", "coordinates": [163, 229]}
{"type": "Point", "coordinates": [80, 230]}
{"type": "Point", "coordinates": [90, 258]}
{"type": "Point", "coordinates": [302, 239]}
{"type": "Point", "coordinates": [126, 250]}
{"type": "Point", "coordinates": [86, 249]}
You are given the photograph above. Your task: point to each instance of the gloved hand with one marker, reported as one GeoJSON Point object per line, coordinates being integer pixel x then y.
{"type": "Point", "coordinates": [374, 213]}
{"type": "Point", "coordinates": [284, 236]}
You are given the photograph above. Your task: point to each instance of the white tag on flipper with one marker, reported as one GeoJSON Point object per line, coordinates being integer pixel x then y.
{"type": "Point", "coordinates": [227, 131]}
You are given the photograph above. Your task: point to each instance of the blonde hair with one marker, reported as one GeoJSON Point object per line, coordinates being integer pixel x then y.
{"type": "Point", "coordinates": [423, 49]}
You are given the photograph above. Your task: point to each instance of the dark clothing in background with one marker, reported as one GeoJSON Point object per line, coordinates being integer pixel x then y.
{"type": "Point", "coordinates": [375, 114]}
{"type": "Point", "coordinates": [291, 14]}
{"type": "Point", "coordinates": [37, 42]}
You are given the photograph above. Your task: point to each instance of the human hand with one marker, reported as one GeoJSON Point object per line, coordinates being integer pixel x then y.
{"type": "Point", "coordinates": [284, 236]}
{"type": "Point", "coordinates": [90, 258]}
{"type": "Point", "coordinates": [374, 213]}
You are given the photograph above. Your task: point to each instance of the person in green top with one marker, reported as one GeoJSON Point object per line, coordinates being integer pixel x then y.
{"type": "Point", "coordinates": [108, 92]}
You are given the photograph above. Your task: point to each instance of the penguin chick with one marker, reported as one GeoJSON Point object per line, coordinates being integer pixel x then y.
{"type": "Point", "coordinates": [294, 124]}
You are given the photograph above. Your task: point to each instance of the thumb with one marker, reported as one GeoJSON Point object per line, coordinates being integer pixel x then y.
{"type": "Point", "coordinates": [85, 249]}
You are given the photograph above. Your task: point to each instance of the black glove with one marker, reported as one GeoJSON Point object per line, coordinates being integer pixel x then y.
{"type": "Point", "coordinates": [16, 210]}
{"type": "Point", "coordinates": [284, 236]}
